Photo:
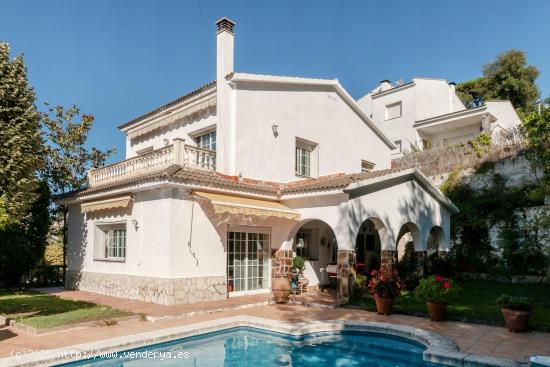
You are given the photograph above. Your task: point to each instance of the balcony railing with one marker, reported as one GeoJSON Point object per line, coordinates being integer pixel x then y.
{"type": "Point", "coordinates": [176, 153]}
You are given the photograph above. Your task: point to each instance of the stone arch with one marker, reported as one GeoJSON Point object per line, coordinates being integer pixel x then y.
{"type": "Point", "coordinates": [372, 240]}
{"type": "Point", "coordinates": [409, 232]}
{"type": "Point", "coordinates": [321, 248]}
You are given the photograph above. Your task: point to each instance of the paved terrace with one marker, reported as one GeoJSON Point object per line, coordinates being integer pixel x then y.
{"type": "Point", "coordinates": [478, 339]}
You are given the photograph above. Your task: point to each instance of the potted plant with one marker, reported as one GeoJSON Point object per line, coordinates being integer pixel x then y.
{"type": "Point", "coordinates": [384, 285]}
{"type": "Point", "coordinates": [516, 311]}
{"type": "Point", "coordinates": [359, 287]}
{"type": "Point", "coordinates": [437, 291]}
{"type": "Point", "coordinates": [298, 264]}
{"type": "Point", "coordinates": [297, 269]}
{"type": "Point", "coordinates": [229, 284]}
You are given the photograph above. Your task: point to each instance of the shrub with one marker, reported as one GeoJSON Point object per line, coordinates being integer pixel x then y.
{"type": "Point", "coordinates": [408, 267]}
{"type": "Point", "coordinates": [437, 289]}
{"type": "Point", "coordinates": [22, 244]}
{"type": "Point", "coordinates": [298, 263]}
{"type": "Point", "coordinates": [441, 266]}
{"type": "Point", "coordinates": [359, 286]}
{"type": "Point", "coordinates": [515, 303]}
{"type": "Point", "coordinates": [385, 283]}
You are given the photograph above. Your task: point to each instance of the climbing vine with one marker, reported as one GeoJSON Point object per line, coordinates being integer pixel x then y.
{"type": "Point", "coordinates": [495, 204]}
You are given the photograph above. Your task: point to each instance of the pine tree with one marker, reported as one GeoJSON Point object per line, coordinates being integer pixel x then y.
{"type": "Point", "coordinates": [21, 144]}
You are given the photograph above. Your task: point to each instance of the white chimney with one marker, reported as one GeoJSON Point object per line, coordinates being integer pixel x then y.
{"type": "Point", "coordinates": [225, 42]}
{"type": "Point", "coordinates": [452, 90]}
{"type": "Point", "coordinates": [385, 85]}
{"type": "Point", "coordinates": [226, 126]}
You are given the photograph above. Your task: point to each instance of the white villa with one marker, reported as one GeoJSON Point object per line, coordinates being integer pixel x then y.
{"type": "Point", "coordinates": [221, 187]}
{"type": "Point", "coordinates": [427, 113]}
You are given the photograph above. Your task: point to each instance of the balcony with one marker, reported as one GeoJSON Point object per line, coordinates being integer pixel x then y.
{"type": "Point", "coordinates": [176, 153]}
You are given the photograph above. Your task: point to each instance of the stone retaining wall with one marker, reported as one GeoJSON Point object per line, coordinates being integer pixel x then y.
{"type": "Point", "coordinates": [515, 279]}
{"type": "Point", "coordinates": [149, 289]}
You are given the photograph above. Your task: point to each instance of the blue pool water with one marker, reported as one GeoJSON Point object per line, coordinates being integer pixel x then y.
{"type": "Point", "coordinates": [253, 347]}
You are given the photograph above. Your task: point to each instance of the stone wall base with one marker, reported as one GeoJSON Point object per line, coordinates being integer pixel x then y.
{"type": "Point", "coordinates": [346, 272]}
{"type": "Point", "coordinates": [281, 262]}
{"type": "Point", "coordinates": [388, 259]}
{"type": "Point", "coordinates": [149, 289]}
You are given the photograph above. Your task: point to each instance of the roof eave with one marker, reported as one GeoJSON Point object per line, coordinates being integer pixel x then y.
{"type": "Point", "coordinates": [413, 173]}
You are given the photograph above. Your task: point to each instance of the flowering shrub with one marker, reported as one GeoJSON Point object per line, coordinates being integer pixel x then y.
{"type": "Point", "coordinates": [437, 289]}
{"type": "Point", "coordinates": [385, 283]}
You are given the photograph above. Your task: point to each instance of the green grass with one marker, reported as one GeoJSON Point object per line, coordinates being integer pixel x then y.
{"type": "Point", "coordinates": [477, 303]}
{"type": "Point", "coordinates": [41, 310]}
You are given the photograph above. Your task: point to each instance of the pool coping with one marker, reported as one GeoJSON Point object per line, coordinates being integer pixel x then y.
{"type": "Point", "coordinates": [440, 349]}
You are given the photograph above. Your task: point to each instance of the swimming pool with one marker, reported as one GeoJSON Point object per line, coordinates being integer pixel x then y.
{"type": "Point", "coordinates": [246, 346]}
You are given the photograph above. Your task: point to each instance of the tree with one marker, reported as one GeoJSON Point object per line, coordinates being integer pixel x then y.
{"type": "Point", "coordinates": [21, 146]}
{"type": "Point", "coordinates": [23, 243]}
{"type": "Point", "coordinates": [67, 157]}
{"type": "Point", "coordinates": [508, 77]}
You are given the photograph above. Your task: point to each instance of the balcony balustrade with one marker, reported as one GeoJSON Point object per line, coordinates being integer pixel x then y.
{"type": "Point", "coordinates": [176, 153]}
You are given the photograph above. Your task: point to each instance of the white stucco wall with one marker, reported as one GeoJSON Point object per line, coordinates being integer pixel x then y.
{"type": "Point", "coordinates": [425, 98]}
{"type": "Point", "coordinates": [505, 113]}
{"type": "Point", "coordinates": [147, 247]}
{"type": "Point", "coordinates": [318, 115]}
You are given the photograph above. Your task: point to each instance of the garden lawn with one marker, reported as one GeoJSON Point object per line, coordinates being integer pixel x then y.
{"type": "Point", "coordinates": [477, 303]}
{"type": "Point", "coordinates": [42, 311]}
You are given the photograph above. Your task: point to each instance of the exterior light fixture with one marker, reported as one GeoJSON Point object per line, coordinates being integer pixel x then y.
{"type": "Point", "coordinates": [275, 128]}
{"type": "Point", "coordinates": [300, 243]}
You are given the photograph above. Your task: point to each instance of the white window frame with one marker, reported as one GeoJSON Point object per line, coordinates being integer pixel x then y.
{"type": "Point", "coordinates": [203, 143]}
{"type": "Point", "coordinates": [305, 158]}
{"type": "Point", "coordinates": [249, 264]}
{"type": "Point", "coordinates": [389, 107]}
{"type": "Point", "coordinates": [104, 232]}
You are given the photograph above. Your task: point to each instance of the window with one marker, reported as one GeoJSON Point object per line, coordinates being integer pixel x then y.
{"type": "Point", "coordinates": [393, 111]}
{"type": "Point", "coordinates": [310, 238]}
{"type": "Point", "coordinates": [115, 244]}
{"type": "Point", "coordinates": [303, 162]}
{"type": "Point", "coordinates": [110, 242]}
{"type": "Point", "coordinates": [398, 145]}
{"type": "Point", "coordinates": [306, 158]}
{"type": "Point", "coordinates": [366, 166]}
{"type": "Point", "coordinates": [207, 140]}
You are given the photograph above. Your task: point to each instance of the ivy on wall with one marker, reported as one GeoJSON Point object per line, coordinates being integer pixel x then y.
{"type": "Point", "coordinates": [521, 251]}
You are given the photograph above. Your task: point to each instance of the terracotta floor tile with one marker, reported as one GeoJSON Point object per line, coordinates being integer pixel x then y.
{"type": "Point", "coordinates": [478, 339]}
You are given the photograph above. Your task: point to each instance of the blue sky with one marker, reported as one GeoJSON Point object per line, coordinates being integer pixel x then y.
{"type": "Point", "coordinates": [119, 59]}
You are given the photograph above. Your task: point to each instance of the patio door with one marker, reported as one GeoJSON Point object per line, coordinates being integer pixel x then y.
{"type": "Point", "coordinates": [248, 256]}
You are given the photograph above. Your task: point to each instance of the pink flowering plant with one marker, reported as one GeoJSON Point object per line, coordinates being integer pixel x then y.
{"type": "Point", "coordinates": [384, 283]}
{"type": "Point", "coordinates": [437, 289]}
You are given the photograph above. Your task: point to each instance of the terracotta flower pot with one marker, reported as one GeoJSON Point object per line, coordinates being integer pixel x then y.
{"type": "Point", "coordinates": [383, 305]}
{"type": "Point", "coordinates": [280, 285]}
{"type": "Point", "coordinates": [437, 310]}
{"type": "Point", "coordinates": [516, 321]}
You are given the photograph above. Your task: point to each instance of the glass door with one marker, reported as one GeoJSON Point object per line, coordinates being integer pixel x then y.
{"type": "Point", "coordinates": [247, 261]}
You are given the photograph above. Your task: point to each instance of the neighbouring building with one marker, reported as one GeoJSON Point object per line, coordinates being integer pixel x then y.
{"type": "Point", "coordinates": [221, 187]}
{"type": "Point", "coordinates": [427, 113]}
